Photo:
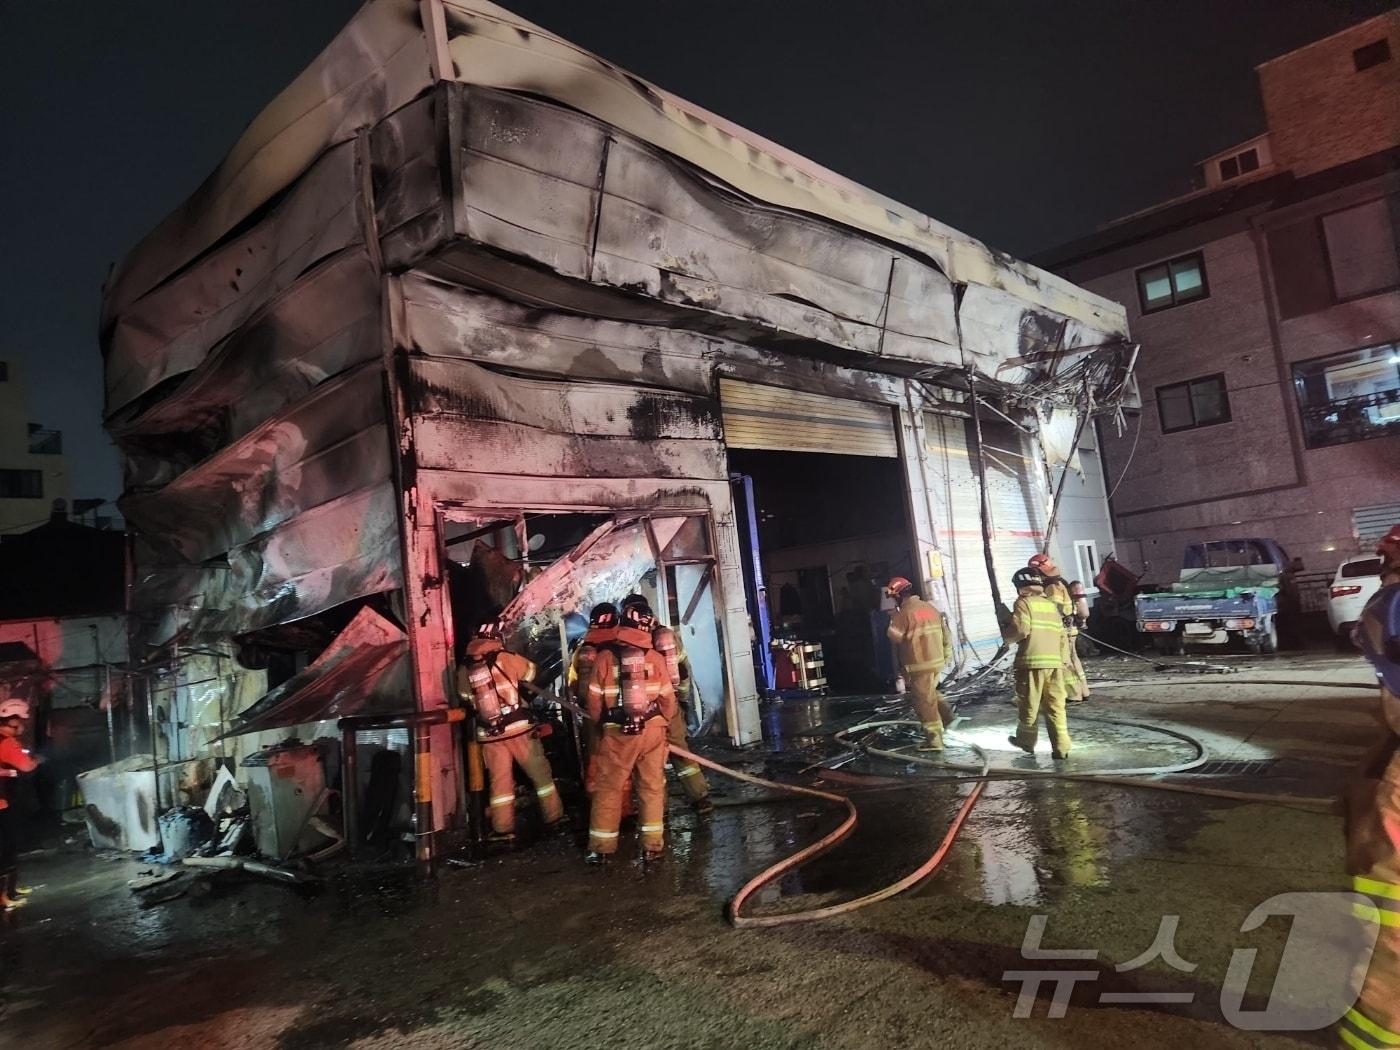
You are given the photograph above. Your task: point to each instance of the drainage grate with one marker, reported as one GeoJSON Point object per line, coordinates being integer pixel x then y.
{"type": "Point", "coordinates": [1257, 768]}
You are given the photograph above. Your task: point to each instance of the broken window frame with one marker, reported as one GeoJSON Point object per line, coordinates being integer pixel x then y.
{"type": "Point", "coordinates": [1169, 268]}
{"type": "Point", "coordinates": [1189, 387]}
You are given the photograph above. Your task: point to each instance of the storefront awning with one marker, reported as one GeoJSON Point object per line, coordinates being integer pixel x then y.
{"type": "Point", "coordinates": [364, 671]}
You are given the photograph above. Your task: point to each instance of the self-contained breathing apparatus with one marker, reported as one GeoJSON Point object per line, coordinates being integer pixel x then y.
{"type": "Point", "coordinates": [494, 695]}
{"type": "Point", "coordinates": [636, 688]}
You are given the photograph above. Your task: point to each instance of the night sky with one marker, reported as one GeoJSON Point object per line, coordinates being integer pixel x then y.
{"type": "Point", "coordinates": [1023, 123]}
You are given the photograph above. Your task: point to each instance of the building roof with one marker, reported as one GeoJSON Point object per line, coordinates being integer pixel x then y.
{"type": "Point", "coordinates": [1269, 192]}
{"type": "Point", "coordinates": [394, 50]}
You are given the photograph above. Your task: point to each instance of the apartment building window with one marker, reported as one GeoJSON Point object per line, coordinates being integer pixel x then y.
{"type": "Point", "coordinates": [1372, 54]}
{"type": "Point", "coordinates": [4, 371]}
{"type": "Point", "coordinates": [21, 484]}
{"type": "Point", "coordinates": [1171, 283]}
{"type": "Point", "coordinates": [1349, 397]}
{"type": "Point", "coordinates": [1361, 249]}
{"type": "Point", "coordinates": [1239, 164]}
{"type": "Point", "coordinates": [1199, 402]}
{"type": "Point", "coordinates": [1319, 262]}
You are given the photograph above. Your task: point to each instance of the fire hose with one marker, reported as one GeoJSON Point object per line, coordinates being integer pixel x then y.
{"type": "Point", "coordinates": [981, 774]}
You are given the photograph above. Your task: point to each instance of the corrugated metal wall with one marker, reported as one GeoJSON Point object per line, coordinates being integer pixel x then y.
{"type": "Point", "coordinates": [1017, 519]}
{"type": "Point", "coordinates": [781, 419]}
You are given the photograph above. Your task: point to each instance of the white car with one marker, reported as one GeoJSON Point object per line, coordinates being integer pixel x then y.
{"type": "Point", "coordinates": [1357, 579]}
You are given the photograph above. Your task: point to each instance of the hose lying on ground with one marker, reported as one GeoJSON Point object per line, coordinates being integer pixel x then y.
{"type": "Point", "coordinates": [983, 774]}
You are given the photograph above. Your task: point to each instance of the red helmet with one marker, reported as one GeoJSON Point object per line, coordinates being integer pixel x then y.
{"type": "Point", "coordinates": [898, 587]}
{"type": "Point", "coordinates": [1389, 546]}
{"type": "Point", "coordinates": [1037, 560]}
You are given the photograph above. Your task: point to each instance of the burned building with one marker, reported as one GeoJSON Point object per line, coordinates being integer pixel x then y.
{"type": "Point", "coordinates": [470, 319]}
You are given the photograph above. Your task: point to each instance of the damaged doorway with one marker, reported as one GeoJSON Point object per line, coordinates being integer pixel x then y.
{"type": "Point", "coordinates": [820, 493]}
{"type": "Point", "coordinates": [543, 572]}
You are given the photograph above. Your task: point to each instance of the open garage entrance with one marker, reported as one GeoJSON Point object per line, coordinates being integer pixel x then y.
{"type": "Point", "coordinates": [819, 493]}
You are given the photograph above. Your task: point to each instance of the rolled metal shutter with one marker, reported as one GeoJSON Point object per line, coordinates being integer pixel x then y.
{"type": "Point", "coordinates": [778, 419]}
{"type": "Point", "coordinates": [1017, 520]}
{"type": "Point", "coordinates": [1371, 523]}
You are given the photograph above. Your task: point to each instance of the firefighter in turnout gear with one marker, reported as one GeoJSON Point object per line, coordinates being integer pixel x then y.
{"type": "Point", "coordinates": [602, 631]}
{"type": "Point", "coordinates": [1038, 630]}
{"type": "Point", "coordinates": [920, 632]}
{"type": "Point", "coordinates": [489, 681]}
{"type": "Point", "coordinates": [631, 698]}
{"type": "Point", "coordinates": [1373, 821]}
{"type": "Point", "coordinates": [1063, 595]}
{"type": "Point", "coordinates": [668, 643]}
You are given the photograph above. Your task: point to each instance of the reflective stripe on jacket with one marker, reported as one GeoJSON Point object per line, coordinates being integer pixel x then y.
{"type": "Point", "coordinates": [920, 631]}
{"type": "Point", "coordinates": [1037, 627]}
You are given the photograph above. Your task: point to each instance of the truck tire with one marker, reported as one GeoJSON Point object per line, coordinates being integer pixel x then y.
{"type": "Point", "coordinates": [1268, 641]}
{"type": "Point", "coordinates": [1169, 644]}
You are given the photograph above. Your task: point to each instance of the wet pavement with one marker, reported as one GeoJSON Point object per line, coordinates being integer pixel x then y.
{"type": "Point", "coordinates": [532, 949]}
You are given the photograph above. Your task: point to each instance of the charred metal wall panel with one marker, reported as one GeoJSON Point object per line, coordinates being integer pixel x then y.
{"type": "Point", "coordinates": [171, 330]}
{"type": "Point", "coordinates": [379, 62]}
{"type": "Point", "coordinates": [466, 417]}
{"type": "Point", "coordinates": [587, 202]}
{"type": "Point", "coordinates": [326, 323]}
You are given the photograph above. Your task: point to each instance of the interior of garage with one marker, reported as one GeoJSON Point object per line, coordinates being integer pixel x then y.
{"type": "Point", "coordinates": [831, 530]}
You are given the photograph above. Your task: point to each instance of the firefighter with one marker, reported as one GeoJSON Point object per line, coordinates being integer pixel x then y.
{"type": "Point", "coordinates": [602, 631]}
{"type": "Point", "coordinates": [1373, 819]}
{"type": "Point", "coordinates": [1062, 594]}
{"type": "Point", "coordinates": [489, 681]}
{"type": "Point", "coordinates": [1038, 630]}
{"type": "Point", "coordinates": [14, 760]}
{"type": "Point", "coordinates": [920, 632]}
{"type": "Point", "coordinates": [631, 699]}
{"type": "Point", "coordinates": [668, 643]}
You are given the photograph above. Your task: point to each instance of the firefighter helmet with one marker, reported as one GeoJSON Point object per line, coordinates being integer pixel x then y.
{"type": "Point", "coordinates": [636, 601]}
{"type": "Point", "coordinates": [1389, 546]}
{"type": "Point", "coordinates": [14, 708]}
{"type": "Point", "coordinates": [604, 614]}
{"type": "Point", "coordinates": [489, 629]}
{"type": "Point", "coordinates": [638, 616]}
{"type": "Point", "coordinates": [1027, 577]}
{"type": "Point", "coordinates": [898, 587]}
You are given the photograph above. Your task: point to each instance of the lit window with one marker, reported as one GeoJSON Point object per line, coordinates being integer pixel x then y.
{"type": "Point", "coordinates": [1372, 54]}
{"type": "Point", "coordinates": [1196, 403]}
{"type": "Point", "coordinates": [1172, 283]}
{"type": "Point", "coordinates": [1349, 397]}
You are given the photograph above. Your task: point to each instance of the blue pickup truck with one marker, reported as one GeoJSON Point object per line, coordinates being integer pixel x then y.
{"type": "Point", "coordinates": [1236, 588]}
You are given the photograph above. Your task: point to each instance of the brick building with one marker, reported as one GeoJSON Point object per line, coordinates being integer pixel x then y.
{"type": "Point", "coordinates": [1267, 303]}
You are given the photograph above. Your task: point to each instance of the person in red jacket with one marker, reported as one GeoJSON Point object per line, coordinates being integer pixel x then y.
{"type": "Point", "coordinates": [14, 760]}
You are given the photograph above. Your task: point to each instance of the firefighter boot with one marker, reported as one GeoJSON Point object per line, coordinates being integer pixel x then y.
{"type": "Point", "coordinates": [933, 739]}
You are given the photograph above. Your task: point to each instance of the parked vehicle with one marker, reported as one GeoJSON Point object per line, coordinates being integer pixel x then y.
{"type": "Point", "coordinates": [1357, 579]}
{"type": "Point", "coordinates": [1235, 588]}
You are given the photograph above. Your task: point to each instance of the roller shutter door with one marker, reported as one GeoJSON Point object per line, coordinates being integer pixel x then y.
{"type": "Point", "coordinates": [1017, 518]}
{"type": "Point", "coordinates": [781, 420]}
{"type": "Point", "coordinates": [1371, 523]}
